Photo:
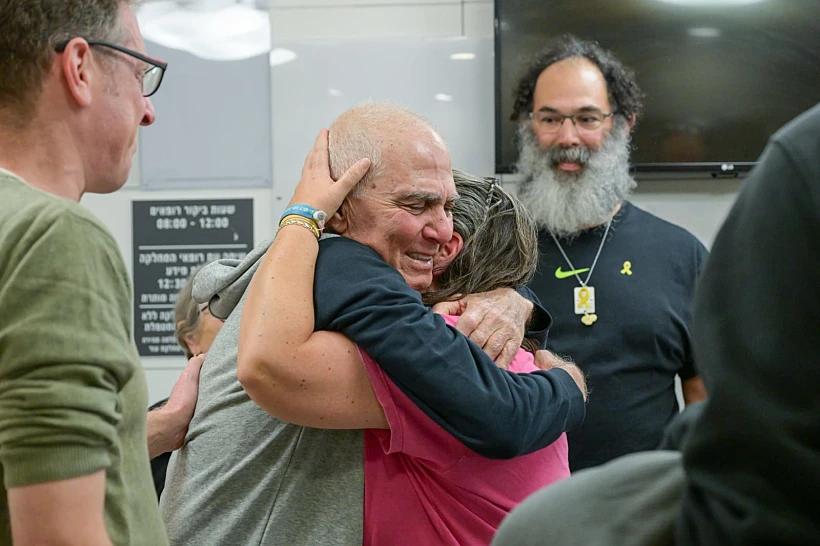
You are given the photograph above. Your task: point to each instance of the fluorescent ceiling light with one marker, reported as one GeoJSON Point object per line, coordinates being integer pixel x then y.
{"type": "Point", "coordinates": [281, 55]}
{"type": "Point", "coordinates": [703, 32]}
{"type": "Point", "coordinates": [711, 3]}
{"type": "Point", "coordinates": [462, 56]}
{"type": "Point", "coordinates": [444, 97]}
{"type": "Point", "coordinates": [217, 30]}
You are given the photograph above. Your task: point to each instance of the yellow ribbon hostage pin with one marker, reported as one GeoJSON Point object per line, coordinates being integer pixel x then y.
{"type": "Point", "coordinates": [627, 270]}
{"type": "Point", "coordinates": [583, 298]}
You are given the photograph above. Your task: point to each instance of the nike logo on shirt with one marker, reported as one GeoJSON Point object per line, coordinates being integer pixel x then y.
{"type": "Point", "coordinates": [564, 274]}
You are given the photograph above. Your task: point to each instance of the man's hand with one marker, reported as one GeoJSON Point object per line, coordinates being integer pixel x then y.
{"type": "Point", "coordinates": [547, 360]}
{"type": "Point", "coordinates": [168, 425]}
{"type": "Point", "coordinates": [496, 321]}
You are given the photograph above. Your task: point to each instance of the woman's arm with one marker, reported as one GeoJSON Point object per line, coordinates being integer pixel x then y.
{"type": "Point", "coordinates": [298, 375]}
{"type": "Point", "coordinates": [323, 384]}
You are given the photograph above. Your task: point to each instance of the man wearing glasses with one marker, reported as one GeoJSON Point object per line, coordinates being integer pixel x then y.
{"type": "Point", "coordinates": [74, 88]}
{"type": "Point", "coordinates": [618, 281]}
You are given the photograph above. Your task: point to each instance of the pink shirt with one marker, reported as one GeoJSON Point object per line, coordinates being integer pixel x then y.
{"type": "Point", "coordinates": [422, 486]}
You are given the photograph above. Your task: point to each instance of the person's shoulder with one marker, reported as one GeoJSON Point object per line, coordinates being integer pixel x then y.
{"type": "Point", "coordinates": [343, 253]}
{"type": "Point", "coordinates": [799, 141]}
{"type": "Point", "coordinates": [660, 228]}
{"type": "Point", "coordinates": [805, 128]}
{"type": "Point", "coordinates": [33, 216]}
{"type": "Point", "coordinates": [338, 244]}
{"type": "Point", "coordinates": [666, 238]}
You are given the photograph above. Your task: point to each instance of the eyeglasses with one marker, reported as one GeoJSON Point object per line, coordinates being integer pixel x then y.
{"type": "Point", "coordinates": [152, 76]}
{"type": "Point", "coordinates": [551, 122]}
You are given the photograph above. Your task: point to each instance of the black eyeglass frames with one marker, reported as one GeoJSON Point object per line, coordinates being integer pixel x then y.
{"type": "Point", "coordinates": [152, 76]}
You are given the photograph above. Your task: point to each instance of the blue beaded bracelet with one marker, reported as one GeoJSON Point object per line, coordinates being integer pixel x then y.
{"type": "Point", "coordinates": [308, 212]}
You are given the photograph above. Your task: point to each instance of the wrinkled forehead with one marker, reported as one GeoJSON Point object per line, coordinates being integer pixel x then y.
{"type": "Point", "coordinates": [430, 180]}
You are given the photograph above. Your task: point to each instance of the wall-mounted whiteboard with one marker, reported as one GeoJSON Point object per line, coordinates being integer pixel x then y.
{"type": "Point", "coordinates": [213, 127]}
{"type": "Point", "coordinates": [449, 81]}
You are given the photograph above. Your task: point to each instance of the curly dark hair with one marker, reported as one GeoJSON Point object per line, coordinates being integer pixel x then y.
{"type": "Point", "coordinates": [625, 96]}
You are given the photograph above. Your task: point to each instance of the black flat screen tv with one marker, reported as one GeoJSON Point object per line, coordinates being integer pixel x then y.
{"type": "Point", "coordinates": [720, 76]}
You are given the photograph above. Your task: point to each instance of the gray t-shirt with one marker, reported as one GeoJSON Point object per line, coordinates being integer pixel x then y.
{"type": "Point", "coordinates": [244, 477]}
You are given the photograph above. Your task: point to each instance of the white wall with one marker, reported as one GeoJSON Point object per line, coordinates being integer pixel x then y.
{"type": "Point", "coordinates": [698, 205]}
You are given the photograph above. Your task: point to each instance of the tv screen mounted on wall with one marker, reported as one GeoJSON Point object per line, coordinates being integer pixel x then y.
{"type": "Point", "coordinates": [720, 76]}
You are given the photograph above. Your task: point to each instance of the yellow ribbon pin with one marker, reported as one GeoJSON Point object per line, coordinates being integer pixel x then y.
{"type": "Point", "coordinates": [627, 270]}
{"type": "Point", "coordinates": [583, 298]}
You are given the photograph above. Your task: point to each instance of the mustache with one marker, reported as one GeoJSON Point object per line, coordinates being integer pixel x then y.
{"type": "Point", "coordinates": [578, 154]}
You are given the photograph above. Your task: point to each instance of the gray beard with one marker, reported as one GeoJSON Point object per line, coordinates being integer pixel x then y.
{"type": "Point", "coordinates": [564, 203]}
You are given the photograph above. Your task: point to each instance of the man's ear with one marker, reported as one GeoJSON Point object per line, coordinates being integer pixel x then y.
{"type": "Point", "coordinates": [631, 121]}
{"type": "Point", "coordinates": [76, 65]}
{"type": "Point", "coordinates": [338, 223]}
{"type": "Point", "coordinates": [449, 251]}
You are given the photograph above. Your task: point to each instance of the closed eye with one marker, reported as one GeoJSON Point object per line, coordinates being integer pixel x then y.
{"type": "Point", "coordinates": [415, 208]}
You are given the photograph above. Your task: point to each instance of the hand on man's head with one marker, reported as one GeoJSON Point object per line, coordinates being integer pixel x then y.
{"type": "Point", "coordinates": [316, 187]}
{"type": "Point", "coordinates": [496, 321]}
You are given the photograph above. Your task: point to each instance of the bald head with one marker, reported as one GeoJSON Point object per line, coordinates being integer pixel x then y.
{"type": "Point", "coordinates": [381, 132]}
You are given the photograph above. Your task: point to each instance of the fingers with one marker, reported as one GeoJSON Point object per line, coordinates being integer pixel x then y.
{"type": "Point", "coordinates": [467, 325]}
{"type": "Point", "coordinates": [194, 366]}
{"type": "Point", "coordinates": [495, 344]}
{"type": "Point", "coordinates": [351, 177]}
{"type": "Point", "coordinates": [316, 187]}
{"type": "Point", "coordinates": [448, 308]}
{"type": "Point", "coordinates": [186, 388]}
{"type": "Point", "coordinates": [315, 155]}
{"type": "Point", "coordinates": [505, 358]}
{"type": "Point", "coordinates": [489, 334]}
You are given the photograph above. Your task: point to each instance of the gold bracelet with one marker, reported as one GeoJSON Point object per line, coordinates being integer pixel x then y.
{"type": "Point", "coordinates": [300, 217]}
{"type": "Point", "coordinates": [301, 221]}
{"type": "Point", "coordinates": [312, 224]}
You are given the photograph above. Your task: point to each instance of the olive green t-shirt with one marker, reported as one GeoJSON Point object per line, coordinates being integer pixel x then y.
{"type": "Point", "coordinates": [73, 396]}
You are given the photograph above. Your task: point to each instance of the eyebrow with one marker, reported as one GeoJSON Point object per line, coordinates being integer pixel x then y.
{"type": "Point", "coordinates": [587, 108]}
{"type": "Point", "coordinates": [429, 197]}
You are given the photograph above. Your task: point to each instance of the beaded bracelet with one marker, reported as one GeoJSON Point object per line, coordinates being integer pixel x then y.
{"type": "Point", "coordinates": [295, 220]}
{"type": "Point", "coordinates": [306, 211]}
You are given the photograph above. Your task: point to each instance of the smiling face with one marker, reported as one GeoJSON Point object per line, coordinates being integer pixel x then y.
{"type": "Point", "coordinates": [405, 213]}
{"type": "Point", "coordinates": [568, 87]}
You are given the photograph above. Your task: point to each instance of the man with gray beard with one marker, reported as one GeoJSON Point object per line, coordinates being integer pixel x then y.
{"type": "Point", "coordinates": [618, 281]}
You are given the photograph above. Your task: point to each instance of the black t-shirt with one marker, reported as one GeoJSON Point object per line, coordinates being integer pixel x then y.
{"type": "Point", "coordinates": [644, 284]}
{"type": "Point", "coordinates": [496, 413]}
{"type": "Point", "coordinates": [752, 460]}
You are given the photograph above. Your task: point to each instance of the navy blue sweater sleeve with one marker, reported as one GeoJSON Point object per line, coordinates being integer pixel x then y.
{"type": "Point", "coordinates": [540, 322]}
{"type": "Point", "coordinates": [495, 413]}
